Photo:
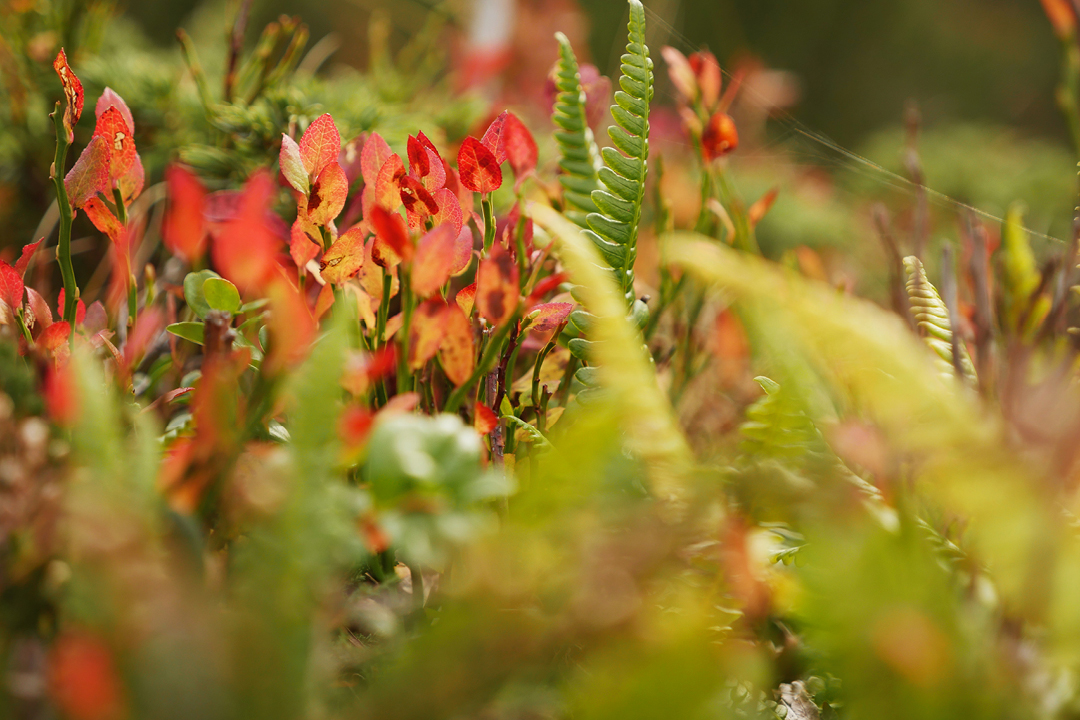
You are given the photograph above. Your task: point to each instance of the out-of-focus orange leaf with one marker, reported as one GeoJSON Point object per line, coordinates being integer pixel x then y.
{"type": "Point", "coordinates": [719, 137]}
{"type": "Point", "coordinates": [761, 207]}
{"type": "Point", "coordinates": [1061, 17]}
{"type": "Point", "coordinates": [184, 226]}
{"type": "Point", "coordinates": [25, 256]}
{"type": "Point", "coordinates": [73, 93]}
{"type": "Point", "coordinates": [320, 145]}
{"type": "Point", "coordinates": [80, 307]}
{"type": "Point", "coordinates": [303, 246]}
{"type": "Point", "coordinates": [434, 260]}
{"type": "Point", "coordinates": [372, 158]}
{"type": "Point", "coordinates": [493, 138]}
{"type": "Point", "coordinates": [61, 394]}
{"type": "Point", "coordinates": [392, 244]}
{"type": "Point", "coordinates": [497, 286]}
{"type": "Point", "coordinates": [324, 302]}
{"type": "Point", "coordinates": [730, 346]}
{"type": "Point", "coordinates": [11, 286]}
{"type": "Point", "coordinates": [810, 264]}
{"type": "Point", "coordinates": [480, 171]}
{"type": "Point", "coordinates": [426, 332]}
{"type": "Point", "coordinates": [90, 174]}
{"type": "Point", "coordinates": [743, 578]}
{"type": "Point", "coordinates": [292, 326]}
{"type": "Point", "coordinates": [103, 219]}
{"type": "Point", "coordinates": [484, 419]}
{"type": "Point", "coordinates": [244, 250]}
{"type": "Point", "coordinates": [375, 538]}
{"type": "Point", "coordinates": [466, 298]}
{"type": "Point", "coordinates": [110, 99]}
{"type": "Point", "coordinates": [355, 426]}
{"type": "Point", "coordinates": [547, 317]}
{"type": "Point", "coordinates": [457, 352]}
{"type": "Point", "coordinates": [112, 126]}
{"type": "Point", "coordinates": [344, 257]}
{"type": "Point", "coordinates": [328, 194]}
{"type": "Point", "coordinates": [83, 679]}
{"type": "Point", "coordinates": [54, 340]}
{"type": "Point", "coordinates": [707, 73]}
{"type": "Point", "coordinates": [681, 74]}
{"type": "Point", "coordinates": [520, 147]}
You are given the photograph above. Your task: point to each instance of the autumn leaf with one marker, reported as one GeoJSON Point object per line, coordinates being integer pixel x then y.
{"type": "Point", "coordinates": [484, 419]}
{"type": "Point", "coordinates": [520, 147]}
{"type": "Point", "coordinates": [131, 183]}
{"type": "Point", "coordinates": [291, 324]}
{"type": "Point", "coordinates": [90, 174]}
{"type": "Point", "coordinates": [416, 198]}
{"type": "Point", "coordinates": [328, 194]}
{"type": "Point", "coordinates": [112, 126]}
{"type": "Point", "coordinates": [73, 93]}
{"type": "Point", "coordinates": [466, 298]}
{"type": "Point", "coordinates": [719, 137]}
{"type": "Point", "coordinates": [80, 307]}
{"type": "Point", "coordinates": [480, 171]}
{"type": "Point", "coordinates": [83, 678]}
{"type": "Point", "coordinates": [543, 287]}
{"type": "Point", "coordinates": [434, 260]}
{"type": "Point", "coordinates": [426, 332]}
{"type": "Point", "coordinates": [373, 156]}
{"type": "Point", "coordinates": [54, 340]}
{"type": "Point", "coordinates": [320, 145]}
{"type": "Point", "coordinates": [11, 286]}
{"type": "Point", "coordinates": [425, 163]}
{"type": "Point", "coordinates": [244, 251]}
{"type": "Point", "coordinates": [392, 244]}
{"type": "Point", "coordinates": [24, 257]}
{"type": "Point", "coordinates": [757, 212]}
{"type": "Point", "coordinates": [304, 242]}
{"type": "Point", "coordinates": [324, 302]}
{"type": "Point", "coordinates": [681, 74]}
{"type": "Point", "coordinates": [39, 311]}
{"type": "Point", "coordinates": [547, 316]}
{"type": "Point", "coordinates": [493, 138]}
{"type": "Point", "coordinates": [707, 73]}
{"type": "Point", "coordinates": [184, 227]}
{"type": "Point", "coordinates": [103, 219]}
{"type": "Point", "coordinates": [387, 193]}
{"type": "Point", "coordinates": [292, 165]}
{"type": "Point", "coordinates": [463, 251]}
{"type": "Point", "coordinates": [110, 99]}
{"type": "Point", "coordinates": [449, 209]}
{"type": "Point", "coordinates": [457, 353]}
{"type": "Point", "coordinates": [344, 257]}
{"type": "Point", "coordinates": [497, 286]}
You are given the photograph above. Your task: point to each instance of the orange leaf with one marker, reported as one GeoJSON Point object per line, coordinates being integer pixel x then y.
{"type": "Point", "coordinates": [112, 126]}
{"type": "Point", "coordinates": [303, 246]}
{"type": "Point", "coordinates": [520, 146]}
{"type": "Point", "coordinates": [480, 171]}
{"type": "Point", "coordinates": [392, 244]}
{"type": "Point", "coordinates": [73, 93]}
{"type": "Point", "coordinates": [11, 286]}
{"type": "Point", "coordinates": [54, 339]}
{"type": "Point", "coordinates": [320, 145]}
{"type": "Point", "coordinates": [90, 174]}
{"type": "Point", "coordinates": [449, 209]}
{"type": "Point", "coordinates": [434, 260]}
{"type": "Point", "coordinates": [388, 184]}
{"type": "Point", "coordinates": [184, 227]}
{"type": "Point", "coordinates": [39, 311]}
{"type": "Point", "coordinates": [484, 419]}
{"type": "Point", "coordinates": [497, 286]}
{"type": "Point", "coordinates": [707, 73]}
{"type": "Point", "coordinates": [61, 395]}
{"type": "Point", "coordinates": [494, 139]}
{"type": "Point", "coordinates": [83, 679]}
{"type": "Point", "coordinates": [131, 182]}
{"type": "Point", "coordinates": [416, 197]}
{"type": "Point", "coordinates": [457, 352]}
{"type": "Point", "coordinates": [544, 287]}
{"type": "Point", "coordinates": [463, 251]}
{"type": "Point", "coordinates": [719, 137]}
{"type": "Point", "coordinates": [547, 317]}
{"type": "Point", "coordinates": [324, 302]}
{"type": "Point", "coordinates": [103, 219]}
{"type": "Point", "coordinates": [292, 327]}
{"type": "Point", "coordinates": [425, 164]}
{"type": "Point", "coordinates": [328, 194]}
{"type": "Point", "coordinates": [244, 251]}
{"type": "Point", "coordinates": [761, 207]}
{"type": "Point", "coordinates": [426, 332]}
{"type": "Point", "coordinates": [355, 426]}
{"type": "Point", "coordinates": [374, 155]}
{"type": "Point", "coordinates": [466, 298]}
{"type": "Point", "coordinates": [110, 99]}
{"type": "Point", "coordinates": [344, 257]}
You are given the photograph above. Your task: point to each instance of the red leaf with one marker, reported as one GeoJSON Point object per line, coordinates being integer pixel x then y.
{"type": "Point", "coordinates": [73, 93]}
{"type": "Point", "coordinates": [417, 199]}
{"type": "Point", "coordinates": [292, 165]}
{"type": "Point", "coordinates": [61, 402]}
{"type": "Point", "coordinates": [40, 313]}
{"type": "Point", "coordinates": [520, 146]}
{"type": "Point", "coordinates": [497, 286]}
{"type": "Point", "coordinates": [434, 260]}
{"type": "Point", "coordinates": [374, 155]}
{"type": "Point", "coordinates": [80, 307]}
{"type": "Point", "coordinates": [449, 209]}
{"type": "Point", "coordinates": [484, 419]}
{"type": "Point", "coordinates": [291, 324]}
{"type": "Point", "coordinates": [544, 287]}
{"type": "Point", "coordinates": [304, 242]}
{"type": "Point", "coordinates": [54, 339]}
{"type": "Point", "coordinates": [355, 426]}
{"type": "Point", "coordinates": [184, 227]}
{"type": "Point", "coordinates": [109, 99]}
{"type": "Point", "coordinates": [463, 251]}
{"type": "Point", "coordinates": [149, 325]}
{"type": "Point", "coordinates": [392, 244]}
{"type": "Point", "coordinates": [388, 184]}
{"type": "Point", "coordinates": [103, 219]}
{"type": "Point", "coordinates": [11, 286]}
{"type": "Point", "coordinates": [719, 137]}
{"type": "Point", "coordinates": [244, 251]}
{"type": "Point", "coordinates": [457, 353]}
{"type": "Point", "coordinates": [27, 253]}
{"type": "Point", "coordinates": [320, 145]}
{"type": "Point", "coordinates": [426, 332]}
{"type": "Point", "coordinates": [328, 194]}
{"type": "Point", "coordinates": [479, 169]}
{"type": "Point", "coordinates": [493, 137]}
{"type": "Point", "coordinates": [425, 164]}
{"type": "Point", "coordinates": [112, 126]}
{"type": "Point", "coordinates": [90, 174]}
{"type": "Point", "coordinates": [83, 678]}
{"type": "Point", "coordinates": [466, 298]}
{"type": "Point", "coordinates": [344, 257]}
{"type": "Point", "coordinates": [547, 317]}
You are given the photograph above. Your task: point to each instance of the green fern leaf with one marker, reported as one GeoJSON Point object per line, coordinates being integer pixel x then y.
{"type": "Point", "coordinates": [932, 319]}
{"type": "Point", "coordinates": [579, 159]}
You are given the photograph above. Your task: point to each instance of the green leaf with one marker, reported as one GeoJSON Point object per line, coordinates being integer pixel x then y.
{"type": "Point", "coordinates": [220, 294]}
{"type": "Point", "coordinates": [193, 331]}
{"type": "Point", "coordinates": [193, 292]}
{"type": "Point", "coordinates": [579, 158]}
{"type": "Point", "coordinates": [932, 319]}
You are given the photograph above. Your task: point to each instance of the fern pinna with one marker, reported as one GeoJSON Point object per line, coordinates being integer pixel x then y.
{"type": "Point", "coordinates": [579, 159]}
{"type": "Point", "coordinates": [613, 227]}
{"type": "Point", "coordinates": [932, 319]}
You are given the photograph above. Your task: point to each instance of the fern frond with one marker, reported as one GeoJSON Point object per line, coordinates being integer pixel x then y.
{"type": "Point", "coordinates": [932, 319]}
{"type": "Point", "coordinates": [579, 159]}
{"type": "Point", "coordinates": [613, 229]}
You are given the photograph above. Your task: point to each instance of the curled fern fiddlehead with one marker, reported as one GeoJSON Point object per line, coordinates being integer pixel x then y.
{"type": "Point", "coordinates": [932, 319]}
{"type": "Point", "coordinates": [579, 159]}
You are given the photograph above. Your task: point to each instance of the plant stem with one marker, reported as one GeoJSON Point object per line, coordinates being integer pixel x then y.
{"type": "Point", "coordinates": [404, 379]}
{"type": "Point", "coordinates": [489, 221]}
{"type": "Point", "coordinates": [63, 246]}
